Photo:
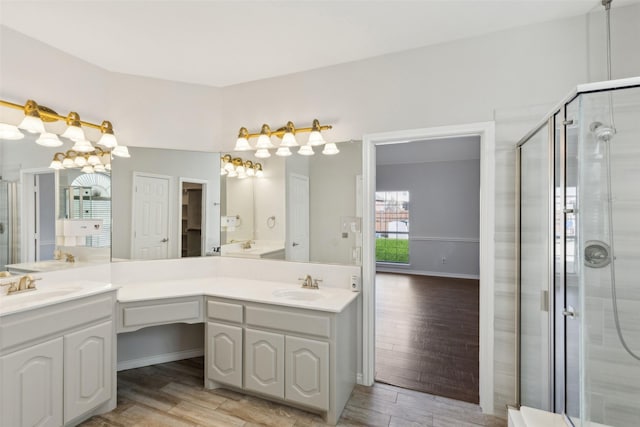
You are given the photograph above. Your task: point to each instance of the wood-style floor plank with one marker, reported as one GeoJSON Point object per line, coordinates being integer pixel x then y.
{"type": "Point", "coordinates": [172, 395]}
{"type": "Point", "coordinates": [427, 336]}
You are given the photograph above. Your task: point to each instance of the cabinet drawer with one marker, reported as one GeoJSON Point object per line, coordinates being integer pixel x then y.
{"type": "Point", "coordinates": [224, 311]}
{"type": "Point", "coordinates": [289, 321]}
{"type": "Point", "coordinates": [135, 316]}
{"type": "Point", "coordinates": [19, 328]}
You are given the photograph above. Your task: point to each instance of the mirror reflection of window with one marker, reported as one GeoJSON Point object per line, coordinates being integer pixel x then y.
{"type": "Point", "coordinates": [89, 197]}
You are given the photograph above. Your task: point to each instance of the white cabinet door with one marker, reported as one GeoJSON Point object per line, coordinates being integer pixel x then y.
{"type": "Point", "coordinates": [31, 382]}
{"type": "Point", "coordinates": [224, 353]}
{"type": "Point", "coordinates": [307, 372]}
{"type": "Point", "coordinates": [87, 369]}
{"type": "Point", "coordinates": [264, 362]}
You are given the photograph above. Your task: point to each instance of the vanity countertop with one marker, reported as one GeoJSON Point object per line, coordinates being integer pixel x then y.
{"type": "Point", "coordinates": [260, 291]}
{"type": "Point", "coordinates": [51, 265]}
{"type": "Point", "coordinates": [49, 292]}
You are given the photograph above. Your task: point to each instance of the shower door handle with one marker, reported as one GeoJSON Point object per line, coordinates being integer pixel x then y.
{"type": "Point", "coordinates": [569, 312]}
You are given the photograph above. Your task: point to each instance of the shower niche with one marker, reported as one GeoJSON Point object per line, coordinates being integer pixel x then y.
{"type": "Point", "coordinates": [579, 258]}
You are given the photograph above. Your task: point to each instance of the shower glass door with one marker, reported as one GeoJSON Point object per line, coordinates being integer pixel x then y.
{"type": "Point", "coordinates": [534, 274]}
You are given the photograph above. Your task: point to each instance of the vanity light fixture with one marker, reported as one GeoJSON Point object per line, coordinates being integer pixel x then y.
{"type": "Point", "coordinates": [287, 134]}
{"type": "Point", "coordinates": [97, 160]}
{"type": "Point", "coordinates": [237, 167]}
{"type": "Point", "coordinates": [35, 116]}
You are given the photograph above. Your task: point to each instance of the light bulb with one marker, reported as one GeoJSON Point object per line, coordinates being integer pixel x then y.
{"type": "Point", "coordinates": [68, 163]}
{"type": "Point", "coordinates": [49, 140]}
{"type": "Point", "coordinates": [264, 141]}
{"type": "Point", "coordinates": [82, 146]}
{"type": "Point", "coordinates": [93, 160]}
{"type": "Point", "coordinates": [262, 153]}
{"type": "Point", "coordinates": [306, 150]}
{"type": "Point", "coordinates": [315, 138]}
{"type": "Point", "coordinates": [10, 132]}
{"type": "Point", "coordinates": [259, 173]}
{"type": "Point", "coordinates": [80, 161]}
{"type": "Point", "coordinates": [330, 148]}
{"type": "Point", "coordinates": [32, 124]}
{"type": "Point", "coordinates": [108, 140]}
{"type": "Point", "coordinates": [87, 169]}
{"type": "Point", "coordinates": [242, 144]}
{"type": "Point", "coordinates": [283, 152]}
{"type": "Point", "coordinates": [240, 170]}
{"type": "Point", "coordinates": [121, 151]}
{"type": "Point", "coordinates": [74, 133]}
{"type": "Point", "coordinates": [289, 140]}
{"type": "Point", "coordinates": [56, 164]}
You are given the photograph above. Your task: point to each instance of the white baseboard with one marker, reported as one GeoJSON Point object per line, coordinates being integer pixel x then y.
{"type": "Point", "coordinates": [386, 269]}
{"type": "Point", "coordinates": [159, 358]}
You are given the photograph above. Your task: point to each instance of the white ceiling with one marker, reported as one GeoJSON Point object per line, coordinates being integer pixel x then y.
{"type": "Point", "coordinates": [221, 43]}
{"type": "Point", "coordinates": [431, 150]}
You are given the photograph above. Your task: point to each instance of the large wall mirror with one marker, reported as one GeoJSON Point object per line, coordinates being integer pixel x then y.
{"type": "Point", "coordinates": [50, 220]}
{"type": "Point", "coordinates": [163, 203]}
{"type": "Point", "coordinates": [304, 208]}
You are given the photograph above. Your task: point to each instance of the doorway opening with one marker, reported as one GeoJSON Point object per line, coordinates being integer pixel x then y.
{"type": "Point", "coordinates": [427, 234]}
{"type": "Point", "coordinates": [193, 203]}
{"type": "Point", "coordinates": [484, 241]}
{"type": "Point", "coordinates": [38, 216]}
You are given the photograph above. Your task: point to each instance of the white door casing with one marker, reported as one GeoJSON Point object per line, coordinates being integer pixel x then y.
{"type": "Point", "coordinates": [297, 244]}
{"type": "Point", "coordinates": [150, 228]}
{"type": "Point", "coordinates": [486, 131]}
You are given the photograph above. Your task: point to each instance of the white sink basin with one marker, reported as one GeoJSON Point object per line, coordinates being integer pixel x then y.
{"type": "Point", "coordinates": [298, 294]}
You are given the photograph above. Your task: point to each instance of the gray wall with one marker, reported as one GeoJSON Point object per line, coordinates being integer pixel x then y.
{"type": "Point", "coordinates": [444, 215]}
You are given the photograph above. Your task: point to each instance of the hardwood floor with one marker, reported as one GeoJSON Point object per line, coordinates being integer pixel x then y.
{"type": "Point", "coordinates": [172, 395]}
{"type": "Point", "coordinates": [427, 335]}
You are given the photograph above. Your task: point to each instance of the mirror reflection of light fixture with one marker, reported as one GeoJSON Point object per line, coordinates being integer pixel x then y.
{"type": "Point", "coordinates": [306, 150]}
{"type": "Point", "coordinates": [237, 167]}
{"type": "Point", "coordinates": [95, 161]}
{"type": "Point", "coordinates": [330, 149]}
{"type": "Point", "coordinates": [287, 134]}
{"type": "Point", "coordinates": [121, 151]}
{"type": "Point", "coordinates": [81, 145]}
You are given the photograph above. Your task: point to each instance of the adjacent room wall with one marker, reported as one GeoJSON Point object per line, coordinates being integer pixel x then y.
{"type": "Point", "coordinates": [444, 216]}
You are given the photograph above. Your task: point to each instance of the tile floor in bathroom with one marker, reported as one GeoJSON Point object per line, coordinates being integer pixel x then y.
{"type": "Point", "coordinates": [171, 394]}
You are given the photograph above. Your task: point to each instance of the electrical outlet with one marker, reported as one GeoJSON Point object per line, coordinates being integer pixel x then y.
{"type": "Point", "coordinates": [354, 283]}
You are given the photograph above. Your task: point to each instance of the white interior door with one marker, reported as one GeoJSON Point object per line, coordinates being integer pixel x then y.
{"type": "Point", "coordinates": [150, 217]}
{"type": "Point", "coordinates": [297, 248]}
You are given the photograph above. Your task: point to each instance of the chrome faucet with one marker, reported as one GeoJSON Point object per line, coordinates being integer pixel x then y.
{"type": "Point", "coordinates": [309, 283]}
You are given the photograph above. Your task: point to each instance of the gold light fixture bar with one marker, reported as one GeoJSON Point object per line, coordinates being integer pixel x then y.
{"type": "Point", "coordinates": [316, 126]}
{"type": "Point", "coordinates": [47, 114]}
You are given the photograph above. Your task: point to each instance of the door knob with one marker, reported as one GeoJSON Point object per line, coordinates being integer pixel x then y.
{"type": "Point", "coordinates": [295, 244]}
{"type": "Point", "coordinates": [164, 240]}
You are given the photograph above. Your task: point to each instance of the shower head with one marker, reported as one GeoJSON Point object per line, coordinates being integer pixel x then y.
{"type": "Point", "coordinates": [602, 132]}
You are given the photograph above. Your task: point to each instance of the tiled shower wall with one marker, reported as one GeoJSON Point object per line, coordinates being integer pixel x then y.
{"type": "Point", "coordinates": [612, 376]}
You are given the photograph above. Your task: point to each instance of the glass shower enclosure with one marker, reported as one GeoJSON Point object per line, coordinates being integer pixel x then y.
{"type": "Point", "coordinates": [579, 258]}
